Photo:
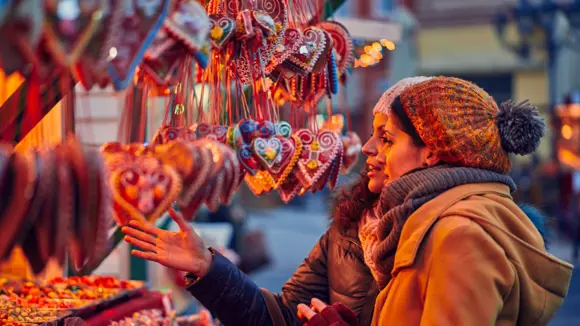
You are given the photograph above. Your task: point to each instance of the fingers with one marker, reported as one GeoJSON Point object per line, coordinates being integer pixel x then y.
{"type": "Point", "coordinates": [305, 312]}
{"type": "Point", "coordinates": [178, 218]}
{"type": "Point", "coordinates": [317, 304]}
{"type": "Point", "coordinates": [145, 255]}
{"type": "Point", "coordinates": [138, 234]}
{"type": "Point", "coordinates": [141, 244]}
{"type": "Point", "coordinates": [146, 227]}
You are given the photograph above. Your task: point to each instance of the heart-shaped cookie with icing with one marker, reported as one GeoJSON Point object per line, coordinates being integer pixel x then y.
{"type": "Point", "coordinates": [192, 195]}
{"type": "Point", "coordinates": [290, 44]}
{"type": "Point", "coordinates": [314, 44]}
{"type": "Point", "coordinates": [221, 30]}
{"type": "Point", "coordinates": [133, 32]}
{"type": "Point", "coordinates": [189, 24]}
{"type": "Point", "coordinates": [91, 66]}
{"type": "Point", "coordinates": [342, 43]}
{"type": "Point", "coordinates": [289, 155]}
{"type": "Point", "coordinates": [167, 134]}
{"type": "Point", "coordinates": [165, 69]}
{"type": "Point", "coordinates": [267, 151]}
{"type": "Point", "coordinates": [318, 154]}
{"type": "Point", "coordinates": [247, 159]}
{"type": "Point", "coordinates": [68, 31]}
{"type": "Point", "coordinates": [144, 189]}
{"type": "Point", "coordinates": [352, 147]}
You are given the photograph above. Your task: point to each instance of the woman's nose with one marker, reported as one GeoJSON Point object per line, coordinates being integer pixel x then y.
{"type": "Point", "coordinates": [370, 148]}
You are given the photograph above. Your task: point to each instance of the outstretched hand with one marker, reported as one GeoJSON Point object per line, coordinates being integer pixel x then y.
{"type": "Point", "coordinates": [320, 314]}
{"type": "Point", "coordinates": [183, 250]}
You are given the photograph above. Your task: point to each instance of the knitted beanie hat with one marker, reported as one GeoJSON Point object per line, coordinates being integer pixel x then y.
{"type": "Point", "coordinates": [384, 104]}
{"type": "Point", "coordinates": [462, 124]}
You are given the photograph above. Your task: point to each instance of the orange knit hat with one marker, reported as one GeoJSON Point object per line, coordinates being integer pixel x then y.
{"type": "Point", "coordinates": [462, 124]}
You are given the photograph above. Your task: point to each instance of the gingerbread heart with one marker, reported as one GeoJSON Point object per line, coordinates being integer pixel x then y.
{"type": "Point", "coordinates": [283, 129]}
{"type": "Point", "coordinates": [222, 30]}
{"type": "Point", "coordinates": [144, 190]}
{"type": "Point", "coordinates": [283, 167]}
{"type": "Point", "coordinates": [267, 151]}
{"type": "Point", "coordinates": [160, 43]}
{"type": "Point", "coordinates": [342, 43]}
{"type": "Point", "coordinates": [218, 133]}
{"type": "Point", "coordinates": [70, 26]}
{"type": "Point", "coordinates": [191, 198]}
{"type": "Point", "coordinates": [312, 47]}
{"type": "Point", "coordinates": [289, 45]}
{"type": "Point", "coordinates": [90, 68]}
{"type": "Point", "coordinates": [247, 129]}
{"type": "Point", "coordinates": [318, 153]}
{"type": "Point", "coordinates": [166, 134]}
{"type": "Point", "coordinates": [289, 188]}
{"type": "Point", "coordinates": [166, 69]}
{"type": "Point", "coordinates": [190, 24]}
{"type": "Point", "coordinates": [140, 22]}
{"type": "Point", "coordinates": [266, 129]}
{"type": "Point", "coordinates": [352, 149]}
{"type": "Point", "coordinates": [247, 159]}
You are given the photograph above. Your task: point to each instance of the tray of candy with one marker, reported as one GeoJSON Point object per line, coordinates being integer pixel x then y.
{"type": "Point", "coordinates": [105, 282]}
{"type": "Point", "coordinates": [30, 315]}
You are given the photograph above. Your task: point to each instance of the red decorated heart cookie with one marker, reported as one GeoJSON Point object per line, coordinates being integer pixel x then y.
{"type": "Point", "coordinates": [144, 189]}
{"type": "Point", "coordinates": [132, 34]}
{"type": "Point", "coordinates": [70, 26]}
{"type": "Point", "coordinates": [318, 154]}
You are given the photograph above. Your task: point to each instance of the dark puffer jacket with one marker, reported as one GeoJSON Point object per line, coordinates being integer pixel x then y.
{"type": "Point", "coordinates": [333, 272]}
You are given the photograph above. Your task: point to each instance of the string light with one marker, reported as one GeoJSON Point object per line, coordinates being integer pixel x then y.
{"type": "Point", "coordinates": [373, 53]}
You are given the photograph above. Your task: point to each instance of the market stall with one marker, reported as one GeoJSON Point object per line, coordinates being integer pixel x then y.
{"type": "Point", "coordinates": [227, 70]}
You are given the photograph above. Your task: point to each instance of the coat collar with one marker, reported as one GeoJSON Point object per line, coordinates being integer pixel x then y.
{"type": "Point", "coordinates": [420, 222]}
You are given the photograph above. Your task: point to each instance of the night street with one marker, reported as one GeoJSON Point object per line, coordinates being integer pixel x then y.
{"type": "Point", "coordinates": [291, 233]}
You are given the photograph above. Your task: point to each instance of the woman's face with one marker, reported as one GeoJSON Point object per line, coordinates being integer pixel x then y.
{"type": "Point", "coordinates": [401, 154]}
{"type": "Point", "coordinates": [373, 149]}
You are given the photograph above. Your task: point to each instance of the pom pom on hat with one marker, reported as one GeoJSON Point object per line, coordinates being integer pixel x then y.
{"type": "Point", "coordinates": [520, 127]}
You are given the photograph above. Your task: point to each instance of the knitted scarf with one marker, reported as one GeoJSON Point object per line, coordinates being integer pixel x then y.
{"type": "Point", "coordinates": [380, 229]}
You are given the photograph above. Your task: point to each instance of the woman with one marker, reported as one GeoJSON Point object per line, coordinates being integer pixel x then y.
{"type": "Point", "coordinates": [334, 270]}
{"type": "Point", "coordinates": [466, 254]}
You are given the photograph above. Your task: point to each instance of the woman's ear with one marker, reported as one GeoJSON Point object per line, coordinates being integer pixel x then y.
{"type": "Point", "coordinates": [430, 158]}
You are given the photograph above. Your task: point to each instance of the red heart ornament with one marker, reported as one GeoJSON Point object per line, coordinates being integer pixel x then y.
{"type": "Point", "coordinates": [290, 44]}
{"type": "Point", "coordinates": [193, 192]}
{"type": "Point", "coordinates": [342, 43]}
{"type": "Point", "coordinates": [352, 148]}
{"type": "Point", "coordinates": [165, 69]}
{"type": "Point", "coordinates": [222, 30]}
{"type": "Point", "coordinates": [310, 51]}
{"type": "Point", "coordinates": [318, 154]}
{"type": "Point", "coordinates": [140, 22]}
{"type": "Point", "coordinates": [247, 159]}
{"type": "Point", "coordinates": [267, 151]}
{"type": "Point", "coordinates": [166, 134]}
{"type": "Point", "coordinates": [144, 189]}
{"type": "Point", "coordinates": [70, 26]}
{"type": "Point", "coordinates": [90, 68]}
{"type": "Point", "coordinates": [189, 24]}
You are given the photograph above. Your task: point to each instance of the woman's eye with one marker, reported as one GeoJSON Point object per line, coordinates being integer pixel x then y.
{"type": "Point", "coordinates": [386, 140]}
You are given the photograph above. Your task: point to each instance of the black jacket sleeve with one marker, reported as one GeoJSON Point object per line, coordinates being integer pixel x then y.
{"type": "Point", "coordinates": [230, 295]}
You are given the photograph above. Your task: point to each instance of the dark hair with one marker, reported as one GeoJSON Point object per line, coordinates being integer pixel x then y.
{"type": "Point", "coordinates": [352, 201]}
{"type": "Point", "coordinates": [401, 119]}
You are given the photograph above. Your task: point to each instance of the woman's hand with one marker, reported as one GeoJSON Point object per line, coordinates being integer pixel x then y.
{"type": "Point", "coordinates": [320, 314]}
{"type": "Point", "coordinates": [183, 250]}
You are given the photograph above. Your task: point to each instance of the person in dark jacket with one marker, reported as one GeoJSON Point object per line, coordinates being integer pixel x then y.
{"type": "Point", "coordinates": [334, 270]}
